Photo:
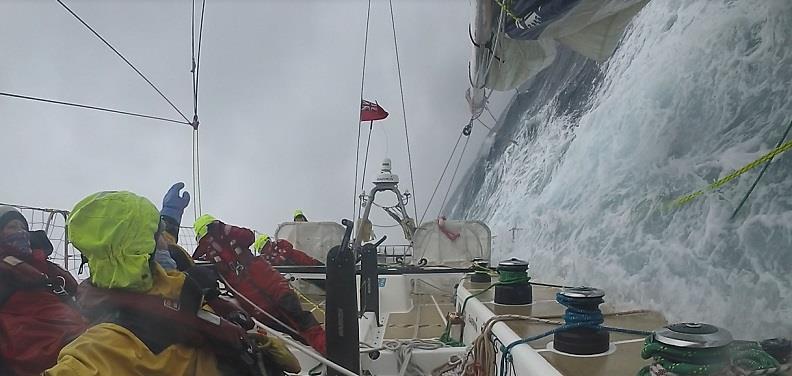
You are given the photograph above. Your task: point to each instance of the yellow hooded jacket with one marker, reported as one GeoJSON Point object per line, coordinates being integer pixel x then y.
{"type": "Point", "coordinates": [110, 349]}
{"type": "Point", "coordinates": [115, 231]}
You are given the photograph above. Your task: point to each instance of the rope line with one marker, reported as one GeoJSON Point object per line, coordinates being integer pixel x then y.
{"type": "Point", "coordinates": [195, 109]}
{"type": "Point", "coordinates": [734, 174]}
{"type": "Point", "coordinates": [92, 108]}
{"type": "Point", "coordinates": [192, 57]}
{"type": "Point", "coordinates": [356, 213]}
{"type": "Point", "coordinates": [195, 70]}
{"type": "Point", "coordinates": [198, 58]}
{"type": "Point", "coordinates": [577, 315]}
{"type": "Point", "coordinates": [484, 124]}
{"type": "Point", "coordinates": [486, 108]}
{"type": "Point", "coordinates": [450, 158]}
{"type": "Point", "coordinates": [123, 58]}
{"type": "Point", "coordinates": [451, 184]}
{"type": "Point", "coordinates": [404, 111]}
{"type": "Point", "coordinates": [737, 358]}
{"type": "Point", "coordinates": [761, 173]}
{"type": "Point", "coordinates": [199, 196]}
{"type": "Point", "coordinates": [194, 175]}
{"type": "Point", "coordinates": [508, 11]}
{"type": "Point", "coordinates": [365, 162]}
{"type": "Point", "coordinates": [314, 306]}
{"type": "Point", "coordinates": [198, 169]}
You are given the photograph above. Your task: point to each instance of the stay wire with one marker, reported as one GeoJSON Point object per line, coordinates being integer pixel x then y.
{"type": "Point", "coordinates": [195, 110]}
{"type": "Point", "coordinates": [123, 58]}
{"type": "Point", "coordinates": [451, 184]}
{"type": "Point", "coordinates": [199, 196]}
{"type": "Point", "coordinates": [365, 161]}
{"type": "Point", "coordinates": [404, 111]}
{"type": "Point", "coordinates": [490, 114]}
{"type": "Point", "coordinates": [360, 121]}
{"type": "Point", "coordinates": [198, 58]}
{"type": "Point", "coordinates": [484, 124]}
{"type": "Point", "coordinates": [194, 174]}
{"type": "Point", "coordinates": [198, 169]}
{"type": "Point", "coordinates": [72, 104]}
{"type": "Point", "coordinates": [192, 57]}
{"type": "Point", "coordinates": [440, 180]}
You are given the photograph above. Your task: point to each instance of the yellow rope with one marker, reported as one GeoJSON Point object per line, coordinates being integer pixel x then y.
{"type": "Point", "coordinates": [508, 11]}
{"type": "Point", "coordinates": [682, 200]}
{"type": "Point", "coordinates": [309, 301]}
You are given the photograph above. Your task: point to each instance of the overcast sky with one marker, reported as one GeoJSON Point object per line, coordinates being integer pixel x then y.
{"type": "Point", "coordinates": [279, 93]}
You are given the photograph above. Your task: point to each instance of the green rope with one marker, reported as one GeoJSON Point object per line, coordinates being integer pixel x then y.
{"type": "Point", "coordinates": [734, 174]}
{"type": "Point", "coordinates": [691, 361]}
{"type": "Point", "coordinates": [506, 10]}
{"type": "Point", "coordinates": [481, 269]}
{"type": "Point", "coordinates": [447, 340]}
{"type": "Point", "coordinates": [446, 337]}
{"type": "Point", "coordinates": [464, 303]}
{"type": "Point", "coordinates": [505, 278]}
{"type": "Point", "coordinates": [761, 173]}
{"type": "Point", "coordinates": [510, 278]}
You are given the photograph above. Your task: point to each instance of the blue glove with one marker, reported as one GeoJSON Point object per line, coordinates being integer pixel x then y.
{"type": "Point", "coordinates": [174, 202]}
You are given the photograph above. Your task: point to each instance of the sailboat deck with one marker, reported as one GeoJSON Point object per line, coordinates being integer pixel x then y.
{"type": "Point", "coordinates": [426, 317]}
{"type": "Point", "coordinates": [622, 359]}
{"type": "Point", "coordinates": [423, 321]}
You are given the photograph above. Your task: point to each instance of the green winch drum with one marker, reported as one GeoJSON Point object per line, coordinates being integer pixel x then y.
{"type": "Point", "coordinates": [513, 287]}
{"type": "Point", "coordinates": [480, 275]}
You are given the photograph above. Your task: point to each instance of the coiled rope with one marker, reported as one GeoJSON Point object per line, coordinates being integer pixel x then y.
{"type": "Point", "coordinates": [575, 317]}
{"type": "Point", "coordinates": [739, 358]}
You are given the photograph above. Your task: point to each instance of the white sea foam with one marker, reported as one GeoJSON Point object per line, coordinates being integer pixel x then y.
{"type": "Point", "coordinates": [696, 89]}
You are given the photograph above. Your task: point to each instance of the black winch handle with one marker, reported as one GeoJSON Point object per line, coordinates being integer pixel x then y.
{"type": "Point", "coordinates": [347, 233]}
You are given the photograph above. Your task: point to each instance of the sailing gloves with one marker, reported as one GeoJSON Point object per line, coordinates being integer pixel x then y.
{"type": "Point", "coordinates": [174, 203]}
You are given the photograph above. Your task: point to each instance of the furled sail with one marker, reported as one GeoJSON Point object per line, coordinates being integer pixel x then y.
{"type": "Point", "coordinates": [515, 40]}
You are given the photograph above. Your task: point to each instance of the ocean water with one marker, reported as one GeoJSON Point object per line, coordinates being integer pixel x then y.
{"type": "Point", "coordinates": [695, 90]}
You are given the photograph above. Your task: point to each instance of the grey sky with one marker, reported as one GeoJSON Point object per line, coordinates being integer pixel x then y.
{"type": "Point", "coordinates": [279, 94]}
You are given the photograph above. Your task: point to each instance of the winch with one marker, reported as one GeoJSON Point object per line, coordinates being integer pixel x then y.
{"type": "Point", "coordinates": [481, 273]}
{"type": "Point", "coordinates": [513, 287]}
{"type": "Point", "coordinates": [695, 335]}
{"type": "Point", "coordinates": [582, 309]}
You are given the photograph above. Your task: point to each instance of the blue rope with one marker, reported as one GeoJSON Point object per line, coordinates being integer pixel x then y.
{"type": "Point", "coordinates": [574, 317]}
{"type": "Point", "coordinates": [578, 316]}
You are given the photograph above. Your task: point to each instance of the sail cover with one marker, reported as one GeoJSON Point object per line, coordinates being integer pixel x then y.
{"type": "Point", "coordinates": [452, 242]}
{"type": "Point", "coordinates": [313, 238]}
{"type": "Point", "coordinates": [513, 44]}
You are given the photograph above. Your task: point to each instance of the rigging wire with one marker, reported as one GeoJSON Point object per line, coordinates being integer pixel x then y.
{"type": "Point", "coordinates": [194, 175]}
{"type": "Point", "coordinates": [123, 58]}
{"type": "Point", "coordinates": [195, 109]}
{"type": "Point", "coordinates": [490, 114]}
{"type": "Point", "coordinates": [451, 183]}
{"type": "Point", "coordinates": [496, 42]}
{"type": "Point", "coordinates": [92, 108]}
{"type": "Point", "coordinates": [440, 180]}
{"type": "Point", "coordinates": [198, 170]}
{"type": "Point", "coordinates": [196, 68]}
{"type": "Point", "coordinates": [484, 124]}
{"type": "Point", "coordinates": [197, 83]}
{"type": "Point", "coordinates": [365, 162]}
{"type": "Point", "coordinates": [404, 112]}
{"type": "Point", "coordinates": [356, 213]}
{"type": "Point", "coordinates": [198, 58]}
{"type": "Point", "coordinates": [192, 56]}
